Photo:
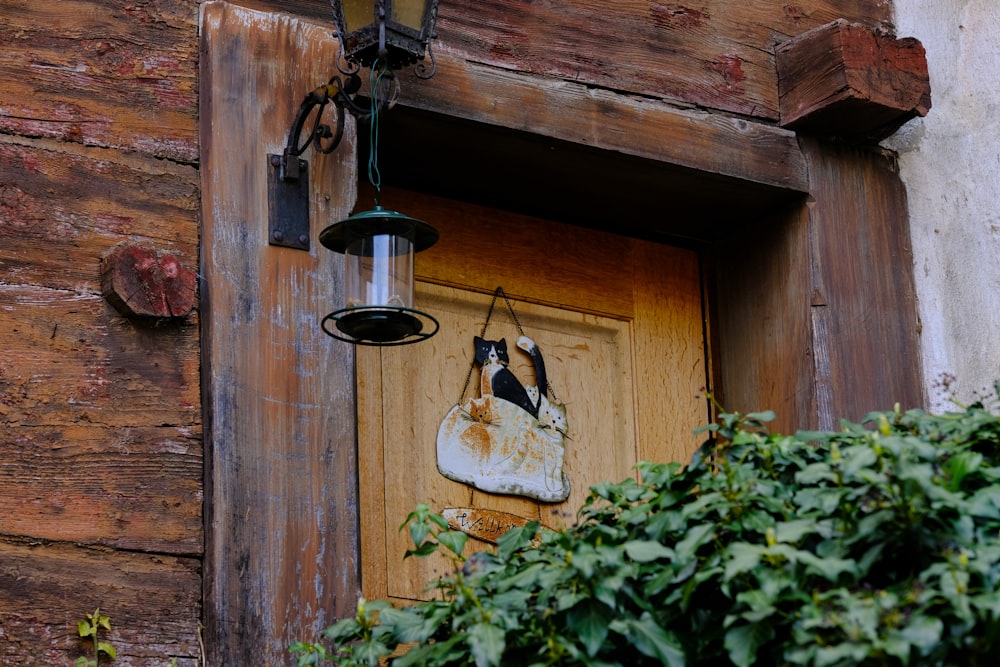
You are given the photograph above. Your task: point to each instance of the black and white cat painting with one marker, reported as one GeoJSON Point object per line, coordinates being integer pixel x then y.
{"type": "Point", "coordinates": [510, 438]}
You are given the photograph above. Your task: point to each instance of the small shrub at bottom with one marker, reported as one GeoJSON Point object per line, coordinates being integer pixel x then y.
{"type": "Point", "coordinates": [872, 545]}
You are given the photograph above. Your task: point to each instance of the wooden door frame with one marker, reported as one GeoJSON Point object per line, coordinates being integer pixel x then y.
{"type": "Point", "coordinates": [812, 288]}
{"type": "Point", "coordinates": [806, 240]}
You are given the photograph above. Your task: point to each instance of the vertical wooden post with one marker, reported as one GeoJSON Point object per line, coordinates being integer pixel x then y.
{"type": "Point", "coordinates": [863, 303]}
{"type": "Point", "coordinates": [281, 507]}
{"type": "Point", "coordinates": [816, 305]}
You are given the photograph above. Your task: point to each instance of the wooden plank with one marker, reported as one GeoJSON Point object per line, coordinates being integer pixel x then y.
{"type": "Point", "coordinates": [66, 358]}
{"type": "Point", "coordinates": [848, 80]}
{"type": "Point", "coordinates": [109, 73]}
{"type": "Point", "coordinates": [62, 206]}
{"type": "Point", "coordinates": [136, 488]}
{"type": "Point", "coordinates": [282, 543]}
{"type": "Point", "coordinates": [864, 301]}
{"type": "Point", "coordinates": [713, 54]}
{"type": "Point", "coordinates": [816, 307]}
{"type": "Point", "coordinates": [669, 324]}
{"type": "Point", "coordinates": [153, 602]}
{"type": "Point", "coordinates": [763, 328]}
{"type": "Point", "coordinates": [573, 112]}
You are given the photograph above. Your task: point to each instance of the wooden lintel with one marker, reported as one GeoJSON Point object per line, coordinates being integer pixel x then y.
{"type": "Point", "coordinates": [608, 120]}
{"type": "Point", "coordinates": [849, 80]}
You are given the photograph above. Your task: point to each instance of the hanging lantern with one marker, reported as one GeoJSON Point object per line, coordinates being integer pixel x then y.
{"type": "Point", "coordinates": [398, 30]}
{"type": "Point", "coordinates": [382, 36]}
{"type": "Point", "coordinates": [378, 248]}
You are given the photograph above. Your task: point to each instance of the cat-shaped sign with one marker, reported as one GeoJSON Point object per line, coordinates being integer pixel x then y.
{"type": "Point", "coordinates": [510, 439]}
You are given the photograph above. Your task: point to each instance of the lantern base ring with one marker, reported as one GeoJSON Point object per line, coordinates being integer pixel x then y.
{"type": "Point", "coordinates": [380, 325]}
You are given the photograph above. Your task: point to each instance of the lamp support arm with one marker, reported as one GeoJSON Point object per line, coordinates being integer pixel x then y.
{"type": "Point", "coordinates": [323, 138]}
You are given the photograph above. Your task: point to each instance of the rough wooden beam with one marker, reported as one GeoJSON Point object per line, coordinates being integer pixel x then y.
{"type": "Point", "coordinates": [714, 54]}
{"type": "Point", "coordinates": [137, 488]}
{"type": "Point", "coordinates": [282, 548]}
{"type": "Point", "coordinates": [46, 588]}
{"type": "Point", "coordinates": [712, 143]}
{"type": "Point", "coordinates": [849, 80]}
{"type": "Point", "coordinates": [66, 358]}
{"type": "Point", "coordinates": [111, 73]}
{"type": "Point", "coordinates": [63, 205]}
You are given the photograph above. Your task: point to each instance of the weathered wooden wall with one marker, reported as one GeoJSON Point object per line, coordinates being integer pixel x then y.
{"type": "Point", "coordinates": [100, 417]}
{"type": "Point", "coordinates": [101, 463]}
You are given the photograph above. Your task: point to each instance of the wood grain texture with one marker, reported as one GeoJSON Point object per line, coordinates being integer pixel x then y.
{"type": "Point", "coordinates": [137, 489]}
{"type": "Point", "coordinates": [762, 291]}
{"type": "Point", "coordinates": [864, 301]}
{"type": "Point", "coordinates": [140, 281]}
{"type": "Point", "coordinates": [152, 600]}
{"type": "Point", "coordinates": [67, 358]}
{"type": "Point", "coordinates": [62, 206]}
{"type": "Point", "coordinates": [848, 80]}
{"type": "Point", "coordinates": [604, 119]}
{"type": "Point", "coordinates": [816, 306]}
{"type": "Point", "coordinates": [713, 54]}
{"type": "Point", "coordinates": [282, 550]}
{"type": "Point", "coordinates": [118, 74]}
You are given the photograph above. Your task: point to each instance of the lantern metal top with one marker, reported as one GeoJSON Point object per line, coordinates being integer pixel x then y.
{"type": "Point", "coordinates": [400, 31]}
{"type": "Point", "coordinates": [376, 222]}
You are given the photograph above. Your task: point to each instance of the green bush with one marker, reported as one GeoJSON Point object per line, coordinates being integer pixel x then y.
{"type": "Point", "coordinates": [869, 546]}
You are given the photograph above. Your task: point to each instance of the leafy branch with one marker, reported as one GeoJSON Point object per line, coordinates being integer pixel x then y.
{"type": "Point", "coordinates": [876, 545]}
{"type": "Point", "coordinates": [91, 628]}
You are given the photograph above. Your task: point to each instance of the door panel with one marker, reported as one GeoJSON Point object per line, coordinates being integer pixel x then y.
{"type": "Point", "coordinates": [618, 322]}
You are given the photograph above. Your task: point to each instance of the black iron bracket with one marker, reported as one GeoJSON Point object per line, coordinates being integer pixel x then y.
{"type": "Point", "coordinates": [288, 173]}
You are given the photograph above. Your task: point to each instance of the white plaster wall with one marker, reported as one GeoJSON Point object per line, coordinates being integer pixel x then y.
{"type": "Point", "coordinates": [950, 162]}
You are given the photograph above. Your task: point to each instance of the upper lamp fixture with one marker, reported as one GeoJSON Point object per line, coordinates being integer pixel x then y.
{"type": "Point", "coordinates": [382, 36]}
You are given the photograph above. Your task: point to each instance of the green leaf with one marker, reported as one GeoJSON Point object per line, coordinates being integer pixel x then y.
{"type": "Point", "coordinates": [742, 642]}
{"type": "Point", "coordinates": [794, 531]}
{"type": "Point", "coordinates": [425, 549]}
{"type": "Point", "coordinates": [651, 640]}
{"type": "Point", "coordinates": [409, 625]}
{"type": "Point", "coordinates": [694, 537]}
{"type": "Point", "coordinates": [743, 557]}
{"type": "Point", "coordinates": [342, 630]}
{"type": "Point", "coordinates": [371, 653]}
{"type": "Point", "coordinates": [844, 654]}
{"type": "Point", "coordinates": [454, 540]}
{"type": "Point", "coordinates": [959, 466]}
{"type": "Point", "coordinates": [589, 620]}
{"type": "Point", "coordinates": [645, 551]}
{"type": "Point", "coordinates": [433, 654]}
{"type": "Point", "coordinates": [107, 649]}
{"type": "Point", "coordinates": [923, 632]}
{"type": "Point", "coordinates": [515, 539]}
{"type": "Point", "coordinates": [487, 644]}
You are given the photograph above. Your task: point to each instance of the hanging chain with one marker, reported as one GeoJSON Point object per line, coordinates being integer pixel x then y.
{"type": "Point", "coordinates": [520, 330]}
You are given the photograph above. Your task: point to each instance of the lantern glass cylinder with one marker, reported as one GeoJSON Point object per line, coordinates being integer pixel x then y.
{"type": "Point", "coordinates": [379, 272]}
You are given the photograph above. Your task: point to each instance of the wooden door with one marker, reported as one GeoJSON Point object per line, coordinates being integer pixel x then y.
{"type": "Point", "coordinates": [619, 322]}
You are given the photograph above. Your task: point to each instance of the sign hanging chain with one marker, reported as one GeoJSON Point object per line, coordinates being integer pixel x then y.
{"type": "Point", "coordinates": [520, 330]}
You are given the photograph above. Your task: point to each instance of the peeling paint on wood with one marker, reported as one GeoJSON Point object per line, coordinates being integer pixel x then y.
{"type": "Point", "coordinates": [140, 281]}
{"type": "Point", "coordinates": [282, 554]}
{"type": "Point", "coordinates": [113, 73]}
